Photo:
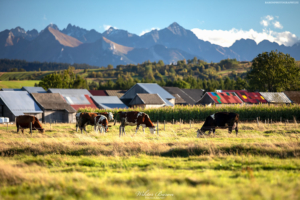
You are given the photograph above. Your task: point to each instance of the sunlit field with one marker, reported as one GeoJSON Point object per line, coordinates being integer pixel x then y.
{"type": "Point", "coordinates": [262, 162]}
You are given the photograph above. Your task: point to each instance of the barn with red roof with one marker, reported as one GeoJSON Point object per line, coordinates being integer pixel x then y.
{"type": "Point", "coordinates": [219, 98]}
{"type": "Point", "coordinates": [77, 98]}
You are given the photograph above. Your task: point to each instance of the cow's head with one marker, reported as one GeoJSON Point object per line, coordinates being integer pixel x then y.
{"type": "Point", "coordinates": [199, 132]}
{"type": "Point", "coordinates": [152, 129]}
{"type": "Point", "coordinates": [42, 130]}
{"type": "Point", "coordinates": [110, 116]}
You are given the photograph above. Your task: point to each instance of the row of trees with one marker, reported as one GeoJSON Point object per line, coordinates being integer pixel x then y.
{"type": "Point", "coordinates": [273, 71]}
{"type": "Point", "coordinates": [64, 79]}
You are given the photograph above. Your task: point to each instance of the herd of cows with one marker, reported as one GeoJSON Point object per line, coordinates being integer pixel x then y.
{"type": "Point", "coordinates": [133, 118]}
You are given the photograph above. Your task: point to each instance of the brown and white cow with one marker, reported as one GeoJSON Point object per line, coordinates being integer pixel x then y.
{"type": "Point", "coordinates": [23, 122]}
{"type": "Point", "coordinates": [135, 118]}
{"type": "Point", "coordinates": [109, 116]}
{"type": "Point", "coordinates": [221, 120]}
{"type": "Point", "coordinates": [86, 119]}
{"type": "Point", "coordinates": [101, 122]}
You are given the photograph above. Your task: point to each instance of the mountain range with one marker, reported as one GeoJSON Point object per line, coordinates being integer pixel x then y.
{"type": "Point", "coordinates": [114, 46]}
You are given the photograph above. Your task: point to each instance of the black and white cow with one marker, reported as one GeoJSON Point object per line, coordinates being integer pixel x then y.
{"type": "Point", "coordinates": [221, 120]}
{"type": "Point", "coordinates": [101, 123]}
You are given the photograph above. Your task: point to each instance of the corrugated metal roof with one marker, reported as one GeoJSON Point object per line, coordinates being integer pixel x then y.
{"type": "Point", "coordinates": [250, 97]}
{"type": "Point", "coordinates": [108, 102]}
{"type": "Point", "coordinates": [98, 92]}
{"type": "Point", "coordinates": [195, 94]}
{"type": "Point", "coordinates": [19, 102]}
{"type": "Point", "coordinates": [34, 89]}
{"type": "Point", "coordinates": [106, 99]}
{"type": "Point", "coordinates": [294, 96]}
{"type": "Point", "coordinates": [151, 98]}
{"type": "Point", "coordinates": [118, 93]}
{"type": "Point", "coordinates": [112, 106]}
{"type": "Point", "coordinates": [90, 105]}
{"type": "Point", "coordinates": [10, 89]}
{"type": "Point", "coordinates": [154, 88]}
{"type": "Point", "coordinates": [275, 97]}
{"type": "Point", "coordinates": [52, 101]}
{"type": "Point", "coordinates": [224, 97]}
{"type": "Point", "coordinates": [70, 91]}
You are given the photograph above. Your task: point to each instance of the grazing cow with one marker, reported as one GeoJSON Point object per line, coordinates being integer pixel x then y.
{"type": "Point", "coordinates": [77, 120]}
{"type": "Point", "coordinates": [86, 119]}
{"type": "Point", "coordinates": [109, 116]}
{"type": "Point", "coordinates": [220, 120]}
{"type": "Point", "coordinates": [135, 118]}
{"type": "Point", "coordinates": [101, 121]}
{"type": "Point", "coordinates": [23, 121]}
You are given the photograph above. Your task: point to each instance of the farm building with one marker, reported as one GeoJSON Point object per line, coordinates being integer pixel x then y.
{"type": "Point", "coordinates": [118, 93]}
{"type": "Point", "coordinates": [15, 103]}
{"type": "Point", "coordinates": [276, 97]}
{"type": "Point", "coordinates": [147, 101]}
{"type": "Point", "coordinates": [77, 98]}
{"type": "Point", "coordinates": [10, 89]}
{"type": "Point", "coordinates": [250, 97]}
{"type": "Point", "coordinates": [108, 102]}
{"type": "Point", "coordinates": [219, 98]}
{"type": "Point", "coordinates": [148, 88]}
{"type": "Point", "coordinates": [185, 96]}
{"type": "Point", "coordinates": [34, 89]}
{"type": "Point", "coordinates": [98, 92]}
{"type": "Point", "coordinates": [55, 108]}
{"type": "Point", "coordinates": [294, 96]}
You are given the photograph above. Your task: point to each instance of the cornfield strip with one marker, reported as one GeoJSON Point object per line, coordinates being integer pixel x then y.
{"type": "Point", "coordinates": [199, 113]}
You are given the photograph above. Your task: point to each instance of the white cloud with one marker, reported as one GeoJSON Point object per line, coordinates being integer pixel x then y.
{"type": "Point", "coordinates": [44, 18]}
{"type": "Point", "coordinates": [147, 31]}
{"type": "Point", "coordinates": [226, 38]}
{"type": "Point", "coordinates": [266, 20]}
{"type": "Point", "coordinates": [264, 23]}
{"type": "Point", "coordinates": [269, 17]}
{"type": "Point", "coordinates": [277, 25]}
{"type": "Point", "coordinates": [106, 27]}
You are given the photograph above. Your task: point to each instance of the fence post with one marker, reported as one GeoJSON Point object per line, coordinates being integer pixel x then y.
{"type": "Point", "coordinates": [285, 122]}
{"type": "Point", "coordinates": [6, 127]}
{"type": "Point", "coordinates": [280, 119]}
{"type": "Point", "coordinates": [190, 124]}
{"type": "Point", "coordinates": [31, 128]}
{"type": "Point", "coordinates": [173, 121]}
{"type": "Point", "coordinates": [180, 122]}
{"type": "Point", "coordinates": [164, 125]}
{"type": "Point", "coordinates": [268, 122]}
{"type": "Point", "coordinates": [257, 121]}
{"type": "Point", "coordinates": [157, 128]}
{"type": "Point", "coordinates": [265, 122]}
{"type": "Point", "coordinates": [50, 124]}
{"type": "Point", "coordinates": [295, 120]}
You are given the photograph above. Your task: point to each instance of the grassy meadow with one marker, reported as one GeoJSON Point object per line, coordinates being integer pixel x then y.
{"type": "Point", "coordinates": [17, 84]}
{"type": "Point", "coordinates": [260, 163]}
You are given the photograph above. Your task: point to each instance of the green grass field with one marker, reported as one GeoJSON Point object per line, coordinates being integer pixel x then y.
{"type": "Point", "coordinates": [260, 163]}
{"type": "Point", "coordinates": [17, 84]}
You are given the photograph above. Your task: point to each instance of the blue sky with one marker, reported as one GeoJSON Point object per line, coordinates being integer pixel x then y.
{"type": "Point", "coordinates": [220, 22]}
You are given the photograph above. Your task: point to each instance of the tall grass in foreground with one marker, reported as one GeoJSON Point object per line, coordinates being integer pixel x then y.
{"type": "Point", "coordinates": [186, 113]}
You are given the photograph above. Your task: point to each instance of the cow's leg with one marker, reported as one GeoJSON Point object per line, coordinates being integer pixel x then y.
{"type": "Point", "coordinates": [214, 131]}
{"type": "Point", "coordinates": [76, 127]}
{"type": "Point", "coordinates": [137, 128]}
{"type": "Point", "coordinates": [120, 129]}
{"type": "Point", "coordinates": [236, 128]}
{"type": "Point", "coordinates": [18, 127]}
{"type": "Point", "coordinates": [124, 130]}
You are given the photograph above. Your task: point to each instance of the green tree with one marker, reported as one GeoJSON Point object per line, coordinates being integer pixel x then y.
{"type": "Point", "coordinates": [110, 66]}
{"type": "Point", "coordinates": [274, 72]}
